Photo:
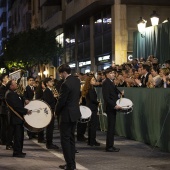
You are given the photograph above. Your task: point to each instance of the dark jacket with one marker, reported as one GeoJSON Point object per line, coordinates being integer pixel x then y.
{"type": "Point", "coordinates": [110, 95]}
{"type": "Point", "coordinates": [49, 98]}
{"type": "Point", "coordinates": [16, 102]}
{"type": "Point", "coordinates": [28, 93]}
{"type": "Point", "coordinates": [3, 107]}
{"type": "Point", "coordinates": [91, 100]}
{"type": "Point", "coordinates": [144, 80]}
{"type": "Point", "coordinates": [67, 107]}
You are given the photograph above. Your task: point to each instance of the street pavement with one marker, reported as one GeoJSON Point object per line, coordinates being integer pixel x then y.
{"type": "Point", "coordinates": [133, 155]}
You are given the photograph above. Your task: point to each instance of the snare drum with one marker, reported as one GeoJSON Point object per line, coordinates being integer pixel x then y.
{"type": "Point", "coordinates": [126, 104]}
{"type": "Point", "coordinates": [39, 118]}
{"type": "Point", "coordinates": [85, 114]}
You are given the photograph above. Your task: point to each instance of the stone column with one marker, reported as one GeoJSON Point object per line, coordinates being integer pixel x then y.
{"type": "Point", "coordinates": [119, 33]}
{"type": "Point", "coordinates": [92, 57]}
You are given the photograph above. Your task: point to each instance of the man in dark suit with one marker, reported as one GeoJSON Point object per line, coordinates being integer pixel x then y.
{"type": "Point", "coordinates": [16, 106]}
{"type": "Point", "coordinates": [68, 111]}
{"type": "Point", "coordinates": [29, 95]}
{"type": "Point", "coordinates": [6, 132]}
{"type": "Point", "coordinates": [50, 98]}
{"type": "Point", "coordinates": [145, 76]}
{"type": "Point", "coordinates": [110, 96]}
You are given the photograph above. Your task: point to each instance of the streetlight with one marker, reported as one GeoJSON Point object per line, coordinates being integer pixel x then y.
{"type": "Point", "coordinates": [141, 23]}
{"type": "Point", "coordinates": [154, 18]}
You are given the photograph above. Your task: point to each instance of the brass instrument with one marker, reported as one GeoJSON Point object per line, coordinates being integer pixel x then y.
{"type": "Point", "coordinates": [55, 92]}
{"type": "Point", "coordinates": [20, 90]}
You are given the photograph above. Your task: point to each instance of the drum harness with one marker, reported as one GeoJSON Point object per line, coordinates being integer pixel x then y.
{"type": "Point", "coordinates": [14, 111]}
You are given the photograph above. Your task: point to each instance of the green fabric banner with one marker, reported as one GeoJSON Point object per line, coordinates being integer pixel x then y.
{"type": "Point", "coordinates": [149, 121]}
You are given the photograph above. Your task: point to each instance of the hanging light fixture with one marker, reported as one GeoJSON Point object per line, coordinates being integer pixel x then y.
{"type": "Point", "coordinates": [154, 18]}
{"type": "Point", "coordinates": [141, 23]}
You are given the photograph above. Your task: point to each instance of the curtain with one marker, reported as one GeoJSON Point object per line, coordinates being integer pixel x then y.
{"type": "Point", "coordinates": [154, 41]}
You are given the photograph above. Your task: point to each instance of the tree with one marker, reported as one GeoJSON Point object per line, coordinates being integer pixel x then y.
{"type": "Point", "coordinates": [32, 47]}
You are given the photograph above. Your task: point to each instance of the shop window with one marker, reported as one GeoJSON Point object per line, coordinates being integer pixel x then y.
{"type": "Point", "coordinates": [98, 45]}
{"type": "Point", "coordinates": [87, 49]}
{"type": "Point", "coordinates": [107, 42]}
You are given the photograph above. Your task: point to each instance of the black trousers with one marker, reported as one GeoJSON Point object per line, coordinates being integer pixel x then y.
{"type": "Point", "coordinates": [111, 118]}
{"type": "Point", "coordinates": [49, 132]}
{"type": "Point", "coordinates": [9, 135]}
{"type": "Point", "coordinates": [67, 130]}
{"type": "Point", "coordinates": [81, 129]}
{"type": "Point", "coordinates": [41, 135]}
{"type": "Point", "coordinates": [18, 138]}
{"type": "Point", "coordinates": [92, 127]}
{"type": "Point", "coordinates": [3, 128]}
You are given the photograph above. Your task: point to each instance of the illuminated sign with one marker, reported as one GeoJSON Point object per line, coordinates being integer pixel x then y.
{"type": "Point", "coordinates": [130, 57]}
{"type": "Point", "coordinates": [72, 65]}
{"type": "Point", "coordinates": [81, 64]}
{"type": "Point", "coordinates": [106, 57]}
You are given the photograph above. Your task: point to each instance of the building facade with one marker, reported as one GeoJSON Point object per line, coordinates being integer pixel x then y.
{"type": "Point", "coordinates": [93, 33]}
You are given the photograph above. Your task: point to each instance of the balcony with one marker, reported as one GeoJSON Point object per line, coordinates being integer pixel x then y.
{"type": "Point", "coordinates": [148, 2]}
{"type": "Point", "coordinates": [50, 2]}
{"type": "Point", "coordinates": [54, 21]}
{"type": "Point", "coordinates": [76, 7]}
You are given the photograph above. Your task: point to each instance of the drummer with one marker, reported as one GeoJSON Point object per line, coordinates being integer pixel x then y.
{"type": "Point", "coordinates": [110, 96]}
{"type": "Point", "coordinates": [16, 106]}
{"type": "Point", "coordinates": [50, 98]}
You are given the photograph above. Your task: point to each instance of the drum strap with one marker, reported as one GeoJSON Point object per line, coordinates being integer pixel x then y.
{"type": "Point", "coordinates": [14, 111]}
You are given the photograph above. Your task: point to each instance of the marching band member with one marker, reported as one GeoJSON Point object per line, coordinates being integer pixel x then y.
{"type": "Point", "coordinates": [39, 95]}
{"type": "Point", "coordinates": [50, 98]}
{"type": "Point", "coordinates": [91, 101]}
{"type": "Point", "coordinates": [29, 95]}
{"type": "Point", "coordinates": [68, 111]}
{"type": "Point", "coordinates": [17, 110]}
{"type": "Point", "coordinates": [110, 96]}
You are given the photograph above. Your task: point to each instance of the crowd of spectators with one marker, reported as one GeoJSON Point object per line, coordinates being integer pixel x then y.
{"type": "Point", "coordinates": [137, 73]}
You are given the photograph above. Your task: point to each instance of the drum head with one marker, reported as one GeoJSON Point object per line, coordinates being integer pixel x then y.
{"type": "Point", "coordinates": [85, 112]}
{"type": "Point", "coordinates": [41, 114]}
{"type": "Point", "coordinates": [124, 103]}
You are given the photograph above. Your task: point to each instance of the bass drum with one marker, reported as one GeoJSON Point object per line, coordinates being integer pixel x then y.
{"type": "Point", "coordinates": [41, 116]}
{"type": "Point", "coordinates": [85, 114]}
{"type": "Point", "coordinates": [126, 105]}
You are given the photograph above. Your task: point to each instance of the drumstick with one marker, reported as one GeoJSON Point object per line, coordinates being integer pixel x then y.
{"type": "Point", "coordinates": [125, 106]}
{"type": "Point", "coordinates": [120, 99]}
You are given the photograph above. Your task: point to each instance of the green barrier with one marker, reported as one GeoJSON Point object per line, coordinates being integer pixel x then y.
{"type": "Point", "coordinates": [149, 121]}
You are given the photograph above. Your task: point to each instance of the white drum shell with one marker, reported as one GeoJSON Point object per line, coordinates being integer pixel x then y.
{"type": "Point", "coordinates": [41, 114]}
{"type": "Point", "coordinates": [126, 104]}
{"type": "Point", "coordinates": [85, 114]}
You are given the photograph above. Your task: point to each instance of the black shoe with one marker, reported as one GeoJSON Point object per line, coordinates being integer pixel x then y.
{"type": "Point", "coordinates": [95, 144]}
{"type": "Point", "coordinates": [42, 141]}
{"type": "Point", "coordinates": [112, 149]}
{"type": "Point", "coordinates": [23, 153]}
{"type": "Point", "coordinates": [62, 166]}
{"type": "Point", "coordinates": [66, 167]}
{"type": "Point", "coordinates": [76, 151]}
{"type": "Point", "coordinates": [52, 146]}
{"type": "Point", "coordinates": [82, 139]}
{"type": "Point", "coordinates": [19, 155]}
{"type": "Point", "coordinates": [8, 147]}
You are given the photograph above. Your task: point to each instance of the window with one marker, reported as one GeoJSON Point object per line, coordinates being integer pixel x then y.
{"type": "Point", "coordinates": [102, 32]}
